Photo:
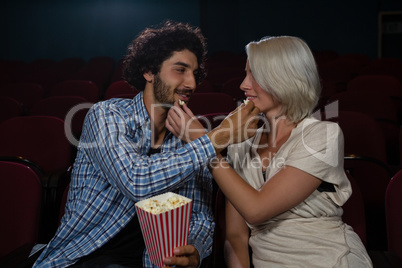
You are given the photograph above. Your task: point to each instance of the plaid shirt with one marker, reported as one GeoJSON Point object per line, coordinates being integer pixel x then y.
{"type": "Point", "coordinates": [112, 172]}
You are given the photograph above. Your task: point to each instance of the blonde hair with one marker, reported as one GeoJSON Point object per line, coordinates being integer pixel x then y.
{"type": "Point", "coordinates": [285, 68]}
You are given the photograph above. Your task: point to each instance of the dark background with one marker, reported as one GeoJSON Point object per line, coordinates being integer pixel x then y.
{"type": "Point", "coordinates": [58, 29]}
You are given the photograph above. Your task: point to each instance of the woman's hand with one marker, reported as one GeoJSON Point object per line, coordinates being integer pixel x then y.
{"type": "Point", "coordinates": [185, 256]}
{"type": "Point", "coordinates": [183, 124]}
{"type": "Point", "coordinates": [239, 125]}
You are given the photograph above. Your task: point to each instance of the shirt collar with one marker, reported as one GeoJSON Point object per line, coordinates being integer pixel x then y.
{"type": "Point", "coordinates": [140, 113]}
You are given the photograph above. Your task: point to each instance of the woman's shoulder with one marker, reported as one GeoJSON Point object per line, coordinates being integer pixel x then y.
{"type": "Point", "coordinates": [312, 124]}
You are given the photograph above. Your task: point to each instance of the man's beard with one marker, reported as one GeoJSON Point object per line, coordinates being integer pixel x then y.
{"type": "Point", "coordinates": [161, 91]}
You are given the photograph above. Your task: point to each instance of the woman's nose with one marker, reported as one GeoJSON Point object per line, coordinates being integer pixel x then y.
{"type": "Point", "coordinates": [244, 85]}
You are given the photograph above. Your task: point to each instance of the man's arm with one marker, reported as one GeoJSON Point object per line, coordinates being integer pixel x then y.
{"type": "Point", "coordinates": [117, 152]}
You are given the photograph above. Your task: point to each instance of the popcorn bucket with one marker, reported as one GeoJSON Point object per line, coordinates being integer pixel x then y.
{"type": "Point", "coordinates": [164, 230]}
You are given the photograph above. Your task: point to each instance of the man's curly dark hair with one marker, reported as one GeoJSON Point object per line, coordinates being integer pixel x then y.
{"type": "Point", "coordinates": [153, 46]}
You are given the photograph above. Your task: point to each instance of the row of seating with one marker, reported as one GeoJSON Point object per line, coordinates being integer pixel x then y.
{"type": "Point", "coordinates": [221, 67]}
{"type": "Point", "coordinates": [370, 156]}
{"type": "Point", "coordinates": [22, 229]}
{"type": "Point", "coordinates": [363, 94]}
{"type": "Point", "coordinates": [47, 72]}
{"type": "Point", "coordinates": [50, 145]}
{"type": "Point", "coordinates": [29, 94]}
{"type": "Point", "coordinates": [41, 143]}
{"type": "Point", "coordinates": [367, 94]}
{"type": "Point", "coordinates": [225, 74]}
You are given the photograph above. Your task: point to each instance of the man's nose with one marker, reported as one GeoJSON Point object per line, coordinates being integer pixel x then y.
{"type": "Point", "coordinates": [189, 81]}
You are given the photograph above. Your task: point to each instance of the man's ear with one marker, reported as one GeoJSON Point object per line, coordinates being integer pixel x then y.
{"type": "Point", "coordinates": [149, 76]}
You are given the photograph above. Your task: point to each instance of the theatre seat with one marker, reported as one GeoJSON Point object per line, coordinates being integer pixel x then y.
{"type": "Point", "coordinates": [20, 206]}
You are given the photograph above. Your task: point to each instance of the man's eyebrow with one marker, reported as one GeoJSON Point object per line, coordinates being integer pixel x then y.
{"type": "Point", "coordinates": [180, 63]}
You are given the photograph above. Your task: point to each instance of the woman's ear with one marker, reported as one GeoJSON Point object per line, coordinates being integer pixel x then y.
{"type": "Point", "coordinates": [149, 76]}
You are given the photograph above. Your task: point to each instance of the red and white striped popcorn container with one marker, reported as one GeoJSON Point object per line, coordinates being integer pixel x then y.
{"type": "Point", "coordinates": [164, 231]}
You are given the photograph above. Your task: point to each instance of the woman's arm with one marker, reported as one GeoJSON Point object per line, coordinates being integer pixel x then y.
{"type": "Point", "coordinates": [286, 189]}
{"type": "Point", "coordinates": [236, 244]}
{"type": "Point", "coordinates": [238, 126]}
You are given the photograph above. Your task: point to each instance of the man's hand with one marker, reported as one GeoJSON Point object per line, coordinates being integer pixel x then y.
{"type": "Point", "coordinates": [239, 125]}
{"type": "Point", "coordinates": [185, 256]}
{"type": "Point", "coordinates": [183, 124]}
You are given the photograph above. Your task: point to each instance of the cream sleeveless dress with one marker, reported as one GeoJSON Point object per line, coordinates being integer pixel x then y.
{"type": "Point", "coordinates": [311, 234]}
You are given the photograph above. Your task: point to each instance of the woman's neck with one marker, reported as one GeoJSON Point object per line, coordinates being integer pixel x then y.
{"type": "Point", "coordinates": [280, 129]}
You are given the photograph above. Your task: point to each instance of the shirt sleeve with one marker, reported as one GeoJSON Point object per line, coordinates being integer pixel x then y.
{"type": "Point", "coordinates": [202, 224]}
{"type": "Point", "coordinates": [117, 152]}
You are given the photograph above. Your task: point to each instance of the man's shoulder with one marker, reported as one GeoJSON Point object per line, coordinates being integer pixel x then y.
{"type": "Point", "coordinates": [115, 102]}
{"type": "Point", "coordinates": [114, 106]}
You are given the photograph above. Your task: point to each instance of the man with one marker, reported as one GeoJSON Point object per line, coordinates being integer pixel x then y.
{"type": "Point", "coordinates": [126, 154]}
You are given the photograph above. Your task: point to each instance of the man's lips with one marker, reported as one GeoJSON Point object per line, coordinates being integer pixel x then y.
{"type": "Point", "coordinates": [184, 96]}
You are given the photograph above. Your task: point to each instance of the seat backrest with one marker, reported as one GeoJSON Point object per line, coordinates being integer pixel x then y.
{"type": "Point", "coordinates": [377, 83]}
{"type": "Point", "coordinates": [70, 65]}
{"type": "Point", "coordinates": [9, 108]}
{"type": "Point", "coordinates": [20, 199]}
{"type": "Point", "coordinates": [353, 210]}
{"type": "Point", "coordinates": [232, 88]}
{"type": "Point", "coordinates": [361, 58]}
{"type": "Point", "coordinates": [386, 115]}
{"type": "Point", "coordinates": [40, 139]}
{"type": "Point", "coordinates": [372, 177]}
{"type": "Point", "coordinates": [60, 106]}
{"type": "Point", "coordinates": [384, 66]}
{"type": "Point", "coordinates": [386, 62]}
{"type": "Point", "coordinates": [118, 88]}
{"type": "Point", "coordinates": [363, 101]}
{"type": "Point", "coordinates": [63, 202]}
{"type": "Point", "coordinates": [339, 70]}
{"type": "Point", "coordinates": [204, 86]}
{"type": "Point", "coordinates": [83, 88]}
{"type": "Point", "coordinates": [26, 93]}
{"type": "Point", "coordinates": [393, 208]}
{"type": "Point", "coordinates": [362, 134]}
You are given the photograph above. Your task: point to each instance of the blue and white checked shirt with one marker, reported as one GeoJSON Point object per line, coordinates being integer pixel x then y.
{"type": "Point", "coordinates": [112, 172]}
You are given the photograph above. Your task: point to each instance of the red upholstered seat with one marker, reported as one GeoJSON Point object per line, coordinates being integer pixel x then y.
{"type": "Point", "coordinates": [20, 199]}
{"type": "Point", "coordinates": [393, 208]}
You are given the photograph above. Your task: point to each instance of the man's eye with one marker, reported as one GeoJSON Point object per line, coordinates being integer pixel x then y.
{"type": "Point", "coordinates": [181, 70]}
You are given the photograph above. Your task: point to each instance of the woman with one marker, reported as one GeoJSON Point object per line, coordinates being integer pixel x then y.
{"type": "Point", "coordinates": [286, 185]}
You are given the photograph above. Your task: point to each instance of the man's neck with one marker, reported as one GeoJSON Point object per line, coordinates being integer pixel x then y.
{"type": "Point", "coordinates": [157, 115]}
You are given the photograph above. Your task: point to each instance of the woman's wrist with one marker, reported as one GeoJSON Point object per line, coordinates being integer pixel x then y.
{"type": "Point", "coordinates": [218, 162]}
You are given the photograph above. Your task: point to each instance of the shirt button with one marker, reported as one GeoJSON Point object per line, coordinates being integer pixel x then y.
{"type": "Point", "coordinates": [123, 221]}
{"type": "Point", "coordinates": [98, 241]}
